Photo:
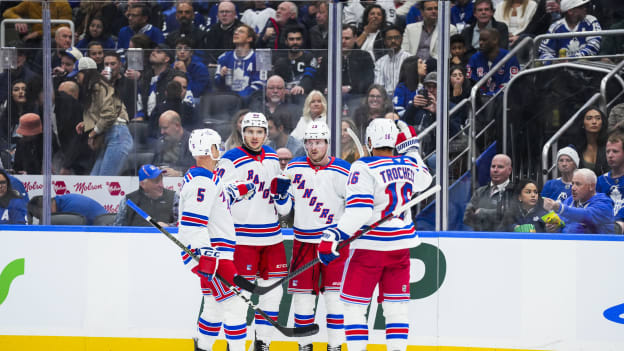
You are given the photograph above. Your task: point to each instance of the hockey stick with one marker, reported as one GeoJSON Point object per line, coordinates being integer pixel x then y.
{"type": "Point", "coordinates": [356, 140]}
{"type": "Point", "coordinates": [289, 332]}
{"type": "Point", "coordinates": [260, 290]}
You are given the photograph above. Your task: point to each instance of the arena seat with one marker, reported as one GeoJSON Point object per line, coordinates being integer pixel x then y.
{"type": "Point", "coordinates": [67, 218]}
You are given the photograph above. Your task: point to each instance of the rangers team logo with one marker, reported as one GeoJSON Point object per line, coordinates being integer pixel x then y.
{"type": "Point", "coordinates": [403, 288]}
{"type": "Point", "coordinates": [114, 188]}
{"type": "Point", "coordinates": [514, 70]}
{"type": "Point", "coordinates": [480, 71]}
{"type": "Point", "coordinates": [60, 188]}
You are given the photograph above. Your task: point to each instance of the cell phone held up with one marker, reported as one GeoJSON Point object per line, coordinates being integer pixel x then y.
{"type": "Point", "coordinates": [424, 93]}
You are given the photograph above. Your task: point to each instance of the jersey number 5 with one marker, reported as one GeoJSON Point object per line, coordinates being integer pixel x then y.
{"type": "Point", "coordinates": [200, 194]}
{"type": "Point", "coordinates": [397, 199]}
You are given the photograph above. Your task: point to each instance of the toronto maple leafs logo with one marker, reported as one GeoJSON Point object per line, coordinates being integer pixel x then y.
{"type": "Point", "coordinates": [574, 46]}
{"type": "Point", "coordinates": [616, 196]}
{"type": "Point", "coordinates": [562, 197]}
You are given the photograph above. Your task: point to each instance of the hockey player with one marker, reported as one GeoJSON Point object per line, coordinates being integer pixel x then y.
{"type": "Point", "coordinates": [376, 186]}
{"type": "Point", "coordinates": [317, 194]}
{"type": "Point", "coordinates": [207, 228]}
{"type": "Point", "coordinates": [259, 245]}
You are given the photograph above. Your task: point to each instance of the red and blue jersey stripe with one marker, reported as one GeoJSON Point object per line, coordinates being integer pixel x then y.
{"type": "Point", "coordinates": [360, 200]}
{"type": "Point", "coordinates": [193, 219]}
{"type": "Point", "coordinates": [390, 234]}
{"type": "Point", "coordinates": [223, 245]}
{"type": "Point", "coordinates": [397, 330]}
{"type": "Point", "coordinates": [235, 332]}
{"type": "Point", "coordinates": [335, 321]}
{"type": "Point", "coordinates": [208, 328]}
{"type": "Point", "coordinates": [310, 233]}
{"type": "Point", "coordinates": [354, 299]}
{"type": "Point", "coordinates": [258, 230]}
{"type": "Point", "coordinates": [261, 321]}
{"type": "Point", "coordinates": [302, 320]}
{"type": "Point", "coordinates": [355, 332]}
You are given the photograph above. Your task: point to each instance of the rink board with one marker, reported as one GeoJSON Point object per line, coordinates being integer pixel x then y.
{"type": "Point", "coordinates": [98, 288]}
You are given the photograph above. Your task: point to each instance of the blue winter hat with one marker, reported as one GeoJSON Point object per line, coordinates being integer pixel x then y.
{"type": "Point", "coordinates": [148, 172]}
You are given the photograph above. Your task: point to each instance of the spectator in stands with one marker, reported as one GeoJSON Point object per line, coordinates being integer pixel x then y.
{"type": "Point", "coordinates": [96, 52]}
{"type": "Point", "coordinates": [490, 202]}
{"type": "Point", "coordinates": [375, 104]}
{"type": "Point", "coordinates": [140, 41]}
{"type": "Point", "coordinates": [196, 71]}
{"type": "Point", "coordinates": [74, 203]}
{"type": "Point", "coordinates": [172, 152]}
{"type": "Point", "coordinates": [298, 67]}
{"type": "Point", "coordinates": [314, 109]}
{"type": "Point", "coordinates": [95, 32]}
{"type": "Point", "coordinates": [29, 150]}
{"type": "Point", "coordinates": [22, 102]}
{"type": "Point", "coordinates": [21, 72]}
{"type": "Point", "coordinates": [110, 12]}
{"type": "Point", "coordinates": [59, 9]}
{"type": "Point", "coordinates": [279, 134]}
{"type": "Point", "coordinates": [458, 50]}
{"type": "Point", "coordinates": [67, 65]}
{"type": "Point", "coordinates": [420, 111]}
{"type": "Point", "coordinates": [235, 139]}
{"type": "Point", "coordinates": [575, 19]}
{"type": "Point", "coordinates": [153, 198]}
{"type": "Point", "coordinates": [12, 205]}
{"type": "Point", "coordinates": [257, 16]}
{"type": "Point", "coordinates": [488, 56]}
{"type": "Point", "coordinates": [561, 188]}
{"type": "Point", "coordinates": [408, 85]}
{"type": "Point", "coordinates": [357, 67]}
{"type": "Point", "coordinates": [586, 211]}
{"type": "Point", "coordinates": [370, 37]}
{"type": "Point", "coordinates": [138, 22]}
{"type": "Point", "coordinates": [612, 182]}
{"type": "Point", "coordinates": [349, 150]}
{"type": "Point", "coordinates": [123, 84]}
{"type": "Point", "coordinates": [274, 99]}
{"type": "Point", "coordinates": [74, 157]}
{"type": "Point", "coordinates": [284, 155]}
{"type": "Point", "coordinates": [421, 38]}
{"type": "Point", "coordinates": [236, 70]}
{"type": "Point", "coordinates": [174, 99]}
{"type": "Point", "coordinates": [273, 35]}
{"type": "Point", "coordinates": [105, 120]}
{"type": "Point", "coordinates": [387, 67]}
{"type": "Point", "coordinates": [526, 211]}
{"type": "Point", "coordinates": [460, 84]}
{"type": "Point", "coordinates": [221, 35]}
{"type": "Point", "coordinates": [522, 17]}
{"type": "Point", "coordinates": [185, 17]}
{"type": "Point", "coordinates": [62, 42]}
{"type": "Point", "coordinates": [318, 33]}
{"type": "Point", "coordinates": [484, 12]}
{"type": "Point", "coordinates": [154, 79]}
{"type": "Point", "coordinates": [590, 140]}
{"type": "Point", "coordinates": [462, 14]}
{"type": "Point", "coordinates": [613, 44]}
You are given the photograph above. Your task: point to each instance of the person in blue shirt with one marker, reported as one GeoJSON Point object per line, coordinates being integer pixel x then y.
{"type": "Point", "coordinates": [561, 188]}
{"type": "Point", "coordinates": [461, 14]}
{"type": "Point", "coordinates": [196, 71]}
{"type": "Point", "coordinates": [587, 211]}
{"type": "Point", "coordinates": [95, 32]}
{"type": "Point", "coordinates": [12, 205]}
{"type": "Point", "coordinates": [488, 56]}
{"type": "Point", "coordinates": [75, 203]}
{"type": "Point", "coordinates": [612, 182]}
{"type": "Point", "coordinates": [138, 22]}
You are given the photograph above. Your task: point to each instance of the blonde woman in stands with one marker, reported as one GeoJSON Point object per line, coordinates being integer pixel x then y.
{"type": "Point", "coordinates": [314, 109]}
{"type": "Point", "coordinates": [517, 15]}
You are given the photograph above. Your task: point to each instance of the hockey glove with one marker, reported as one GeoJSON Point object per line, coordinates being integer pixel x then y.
{"type": "Point", "coordinates": [208, 262]}
{"type": "Point", "coordinates": [279, 188]}
{"type": "Point", "coordinates": [239, 191]}
{"type": "Point", "coordinates": [407, 141]}
{"type": "Point", "coordinates": [328, 248]}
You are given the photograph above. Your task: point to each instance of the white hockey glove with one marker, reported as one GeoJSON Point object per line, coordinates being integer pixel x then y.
{"type": "Point", "coordinates": [407, 141]}
{"type": "Point", "coordinates": [239, 191]}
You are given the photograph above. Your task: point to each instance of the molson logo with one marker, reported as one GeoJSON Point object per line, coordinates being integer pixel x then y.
{"type": "Point", "coordinates": [9, 273]}
{"type": "Point", "coordinates": [60, 188]}
{"type": "Point", "coordinates": [114, 188]}
{"type": "Point", "coordinates": [30, 186]}
{"type": "Point", "coordinates": [81, 187]}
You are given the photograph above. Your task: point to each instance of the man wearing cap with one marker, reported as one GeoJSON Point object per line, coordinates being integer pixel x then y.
{"type": "Point", "coordinates": [561, 188]}
{"type": "Point", "coordinates": [575, 19]}
{"type": "Point", "coordinates": [153, 198]}
{"type": "Point", "coordinates": [152, 86]}
{"type": "Point", "coordinates": [68, 65]}
{"type": "Point", "coordinates": [138, 22]}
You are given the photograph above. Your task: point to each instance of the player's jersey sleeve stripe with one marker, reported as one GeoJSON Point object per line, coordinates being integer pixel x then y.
{"type": "Point", "coordinates": [193, 219]}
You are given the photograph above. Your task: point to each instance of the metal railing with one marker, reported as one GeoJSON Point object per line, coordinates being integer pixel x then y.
{"type": "Point", "coordinates": [24, 20]}
{"type": "Point", "coordinates": [557, 135]}
{"type": "Point", "coordinates": [603, 87]}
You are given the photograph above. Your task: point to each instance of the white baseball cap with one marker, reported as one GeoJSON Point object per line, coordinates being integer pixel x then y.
{"type": "Point", "coordinates": [570, 4]}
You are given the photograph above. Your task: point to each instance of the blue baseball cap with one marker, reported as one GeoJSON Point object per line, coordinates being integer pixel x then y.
{"type": "Point", "coordinates": [148, 172]}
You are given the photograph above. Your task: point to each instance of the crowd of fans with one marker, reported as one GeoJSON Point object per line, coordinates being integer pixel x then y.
{"type": "Point", "coordinates": [271, 57]}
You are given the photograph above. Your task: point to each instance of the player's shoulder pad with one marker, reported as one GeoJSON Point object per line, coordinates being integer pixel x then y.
{"type": "Point", "coordinates": [195, 172]}
{"type": "Point", "coordinates": [300, 161]}
{"type": "Point", "coordinates": [269, 153]}
{"type": "Point", "coordinates": [234, 154]}
{"type": "Point", "coordinates": [268, 149]}
{"type": "Point", "coordinates": [342, 163]}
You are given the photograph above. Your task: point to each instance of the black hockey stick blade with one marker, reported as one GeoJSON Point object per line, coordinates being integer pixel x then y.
{"type": "Point", "coordinates": [261, 290]}
{"type": "Point", "coordinates": [287, 331]}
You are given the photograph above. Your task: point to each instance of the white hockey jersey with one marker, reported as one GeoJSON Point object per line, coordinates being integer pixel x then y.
{"type": "Point", "coordinates": [255, 220]}
{"type": "Point", "coordinates": [376, 187]}
{"type": "Point", "coordinates": [204, 212]}
{"type": "Point", "coordinates": [318, 195]}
